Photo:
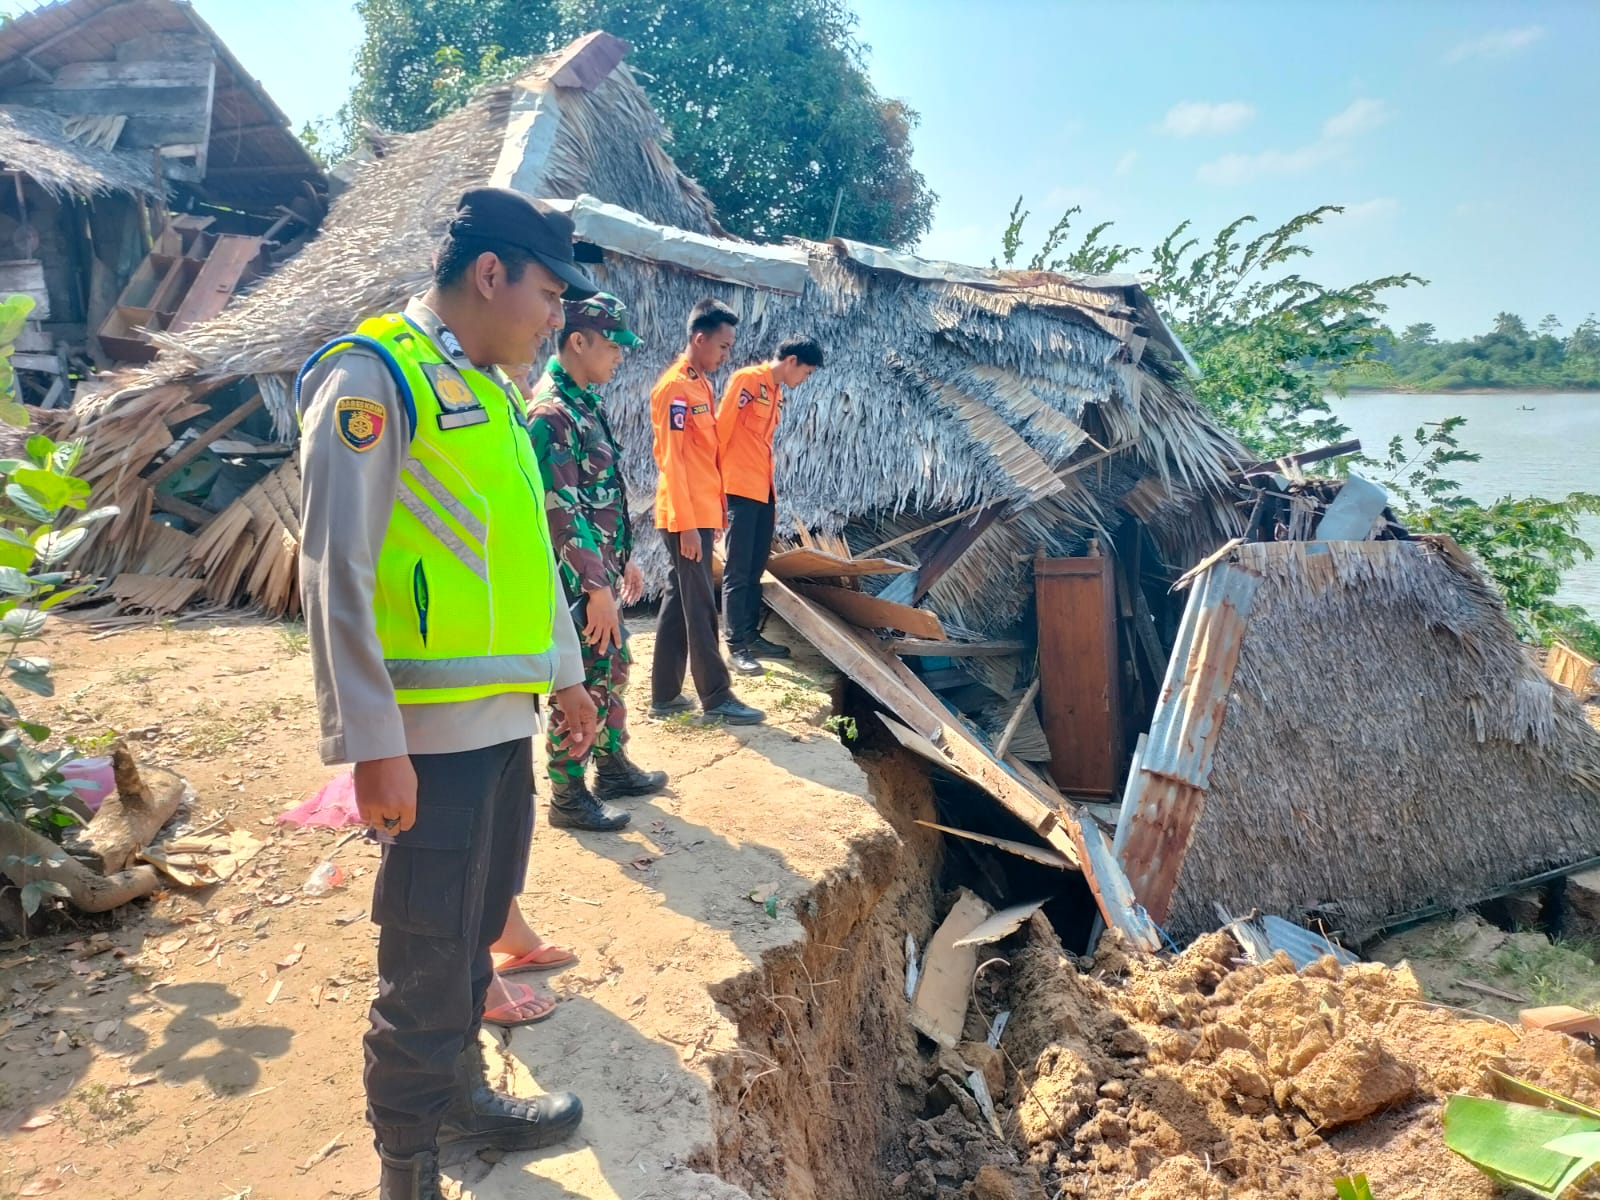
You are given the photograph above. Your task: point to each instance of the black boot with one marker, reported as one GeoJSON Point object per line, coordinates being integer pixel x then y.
{"type": "Point", "coordinates": [482, 1115]}
{"type": "Point", "coordinates": [573, 806]}
{"type": "Point", "coordinates": [616, 775]}
{"type": "Point", "coordinates": [409, 1177]}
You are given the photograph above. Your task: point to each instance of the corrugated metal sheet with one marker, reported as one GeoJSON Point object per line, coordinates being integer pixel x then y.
{"type": "Point", "coordinates": [1263, 936]}
{"type": "Point", "coordinates": [1166, 786]}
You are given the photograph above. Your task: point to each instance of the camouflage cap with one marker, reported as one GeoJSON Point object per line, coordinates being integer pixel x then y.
{"type": "Point", "coordinates": [602, 313]}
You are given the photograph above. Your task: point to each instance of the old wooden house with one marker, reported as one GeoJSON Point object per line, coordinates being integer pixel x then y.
{"type": "Point", "coordinates": [147, 176]}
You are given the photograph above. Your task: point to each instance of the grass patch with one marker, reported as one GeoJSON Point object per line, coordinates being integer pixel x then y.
{"type": "Point", "coordinates": [216, 729]}
{"type": "Point", "coordinates": [110, 1109]}
{"type": "Point", "coordinates": [296, 641]}
{"type": "Point", "coordinates": [1560, 972]}
{"type": "Point", "coordinates": [132, 676]}
{"type": "Point", "coordinates": [92, 744]}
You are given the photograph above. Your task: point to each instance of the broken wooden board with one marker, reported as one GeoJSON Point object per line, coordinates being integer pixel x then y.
{"type": "Point", "coordinates": [1038, 854]}
{"type": "Point", "coordinates": [1570, 669]}
{"type": "Point", "coordinates": [871, 612]}
{"type": "Point", "coordinates": [1002, 924]}
{"type": "Point", "coordinates": [939, 1006]}
{"type": "Point", "coordinates": [844, 648]}
{"type": "Point", "coordinates": [935, 648]}
{"type": "Point", "coordinates": [813, 563]}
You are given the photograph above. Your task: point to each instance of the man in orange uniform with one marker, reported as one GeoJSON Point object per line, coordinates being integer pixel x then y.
{"type": "Point", "coordinates": [746, 422]}
{"type": "Point", "coordinates": [689, 512]}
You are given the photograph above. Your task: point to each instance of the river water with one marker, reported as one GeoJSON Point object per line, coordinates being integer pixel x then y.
{"type": "Point", "coordinates": [1549, 452]}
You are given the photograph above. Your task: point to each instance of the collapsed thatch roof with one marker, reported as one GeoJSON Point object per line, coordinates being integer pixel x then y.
{"type": "Point", "coordinates": [1388, 745]}
{"type": "Point", "coordinates": [946, 387]}
{"type": "Point", "coordinates": [35, 142]}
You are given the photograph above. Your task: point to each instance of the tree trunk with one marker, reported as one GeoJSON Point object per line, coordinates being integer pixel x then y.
{"type": "Point", "coordinates": [88, 890]}
{"type": "Point", "coordinates": [130, 820]}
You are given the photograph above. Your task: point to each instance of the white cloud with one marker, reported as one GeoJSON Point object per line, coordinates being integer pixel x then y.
{"type": "Point", "coordinates": [1125, 163]}
{"type": "Point", "coordinates": [1203, 118]}
{"type": "Point", "coordinates": [1498, 44]}
{"type": "Point", "coordinates": [1359, 118]}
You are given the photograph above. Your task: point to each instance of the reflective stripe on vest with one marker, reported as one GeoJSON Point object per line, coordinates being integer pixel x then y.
{"type": "Point", "coordinates": [465, 589]}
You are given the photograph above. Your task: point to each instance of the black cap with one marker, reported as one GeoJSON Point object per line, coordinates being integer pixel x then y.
{"type": "Point", "coordinates": [504, 215]}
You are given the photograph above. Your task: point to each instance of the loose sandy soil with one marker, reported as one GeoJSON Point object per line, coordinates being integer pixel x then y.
{"type": "Point", "coordinates": [207, 1044]}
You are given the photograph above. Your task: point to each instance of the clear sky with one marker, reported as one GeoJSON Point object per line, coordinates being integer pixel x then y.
{"type": "Point", "coordinates": [1462, 135]}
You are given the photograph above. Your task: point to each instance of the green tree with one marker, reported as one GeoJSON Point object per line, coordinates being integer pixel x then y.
{"type": "Point", "coordinates": [1508, 324]}
{"type": "Point", "coordinates": [1420, 334]}
{"type": "Point", "coordinates": [769, 105]}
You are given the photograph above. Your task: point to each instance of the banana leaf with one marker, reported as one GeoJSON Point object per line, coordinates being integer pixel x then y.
{"type": "Point", "coordinates": [1353, 1187]}
{"type": "Point", "coordinates": [1511, 1143]}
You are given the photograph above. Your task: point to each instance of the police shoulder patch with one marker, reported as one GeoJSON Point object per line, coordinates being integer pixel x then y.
{"type": "Point", "coordinates": [359, 422]}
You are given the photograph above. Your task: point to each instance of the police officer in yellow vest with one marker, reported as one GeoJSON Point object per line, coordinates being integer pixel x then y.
{"type": "Point", "coordinates": [434, 612]}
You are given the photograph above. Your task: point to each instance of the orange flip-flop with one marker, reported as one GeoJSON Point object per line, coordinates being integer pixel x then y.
{"type": "Point", "coordinates": [506, 1015]}
{"type": "Point", "coordinates": [546, 958]}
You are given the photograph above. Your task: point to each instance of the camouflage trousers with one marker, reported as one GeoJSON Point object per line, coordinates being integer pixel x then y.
{"type": "Point", "coordinates": [606, 677]}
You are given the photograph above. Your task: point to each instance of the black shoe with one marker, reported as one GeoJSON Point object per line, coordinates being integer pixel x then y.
{"type": "Point", "coordinates": [480, 1114]}
{"type": "Point", "coordinates": [762, 648]}
{"type": "Point", "coordinates": [744, 661]}
{"type": "Point", "coordinates": [616, 776]}
{"type": "Point", "coordinates": [573, 806]}
{"type": "Point", "coordinates": [736, 713]}
{"type": "Point", "coordinates": [672, 708]}
{"type": "Point", "coordinates": [409, 1177]}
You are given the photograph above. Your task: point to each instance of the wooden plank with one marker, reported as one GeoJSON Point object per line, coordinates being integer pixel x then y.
{"type": "Point", "coordinates": [589, 61]}
{"type": "Point", "coordinates": [179, 460]}
{"type": "Point", "coordinates": [25, 277]}
{"type": "Point", "coordinates": [870, 612]}
{"type": "Point", "coordinates": [50, 363]}
{"type": "Point", "coordinates": [187, 73]}
{"type": "Point", "coordinates": [818, 564]}
{"type": "Point", "coordinates": [1080, 672]}
{"type": "Point", "coordinates": [949, 551]}
{"type": "Point", "coordinates": [934, 648]}
{"type": "Point", "coordinates": [939, 1006]}
{"type": "Point", "coordinates": [1570, 669]}
{"type": "Point", "coordinates": [192, 513]}
{"type": "Point", "coordinates": [227, 266]}
{"type": "Point", "coordinates": [1038, 854]}
{"type": "Point", "coordinates": [843, 647]}
{"type": "Point", "coordinates": [1010, 731]}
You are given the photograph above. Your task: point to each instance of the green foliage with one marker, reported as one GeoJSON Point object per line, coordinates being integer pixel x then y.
{"type": "Point", "coordinates": [41, 523]}
{"type": "Point", "coordinates": [1524, 544]}
{"type": "Point", "coordinates": [1089, 257]}
{"type": "Point", "coordinates": [843, 726]}
{"type": "Point", "coordinates": [1508, 356]}
{"type": "Point", "coordinates": [1270, 343]}
{"type": "Point", "coordinates": [1353, 1187]}
{"type": "Point", "coordinates": [769, 105]}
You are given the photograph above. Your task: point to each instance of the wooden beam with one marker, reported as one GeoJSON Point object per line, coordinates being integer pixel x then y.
{"type": "Point", "coordinates": [870, 612]}
{"type": "Point", "coordinates": [184, 456]}
{"type": "Point", "coordinates": [1304, 458]}
{"type": "Point", "coordinates": [1010, 731]}
{"type": "Point", "coordinates": [815, 563]}
{"type": "Point", "coordinates": [956, 543]}
{"type": "Point", "coordinates": [932, 648]}
{"type": "Point", "coordinates": [192, 513]}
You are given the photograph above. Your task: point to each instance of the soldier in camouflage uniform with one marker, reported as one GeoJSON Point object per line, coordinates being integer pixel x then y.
{"type": "Point", "coordinates": [587, 504]}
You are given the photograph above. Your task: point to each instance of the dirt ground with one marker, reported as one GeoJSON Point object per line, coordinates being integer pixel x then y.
{"type": "Point", "coordinates": [206, 1044]}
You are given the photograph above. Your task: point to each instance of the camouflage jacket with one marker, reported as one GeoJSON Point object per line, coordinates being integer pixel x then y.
{"type": "Point", "coordinates": [585, 497]}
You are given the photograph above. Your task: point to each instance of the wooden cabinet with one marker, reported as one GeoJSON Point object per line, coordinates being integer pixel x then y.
{"type": "Point", "coordinates": [1080, 673]}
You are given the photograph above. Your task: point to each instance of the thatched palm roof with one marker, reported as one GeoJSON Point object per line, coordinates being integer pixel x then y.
{"type": "Point", "coordinates": [35, 142]}
{"type": "Point", "coordinates": [1388, 745]}
{"type": "Point", "coordinates": [945, 388]}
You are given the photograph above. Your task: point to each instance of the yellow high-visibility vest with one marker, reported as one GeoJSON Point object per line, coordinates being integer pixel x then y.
{"type": "Point", "coordinates": [465, 593]}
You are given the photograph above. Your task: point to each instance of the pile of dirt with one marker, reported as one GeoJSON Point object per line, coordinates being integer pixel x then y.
{"type": "Point", "coordinates": [1203, 1078]}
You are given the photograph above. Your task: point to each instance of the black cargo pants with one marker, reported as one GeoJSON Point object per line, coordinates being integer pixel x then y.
{"type": "Point", "coordinates": [750, 526]}
{"type": "Point", "coordinates": [440, 900]}
{"type": "Point", "coordinates": [686, 630]}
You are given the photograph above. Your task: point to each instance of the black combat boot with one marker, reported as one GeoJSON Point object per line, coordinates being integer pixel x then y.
{"type": "Point", "coordinates": [616, 776]}
{"type": "Point", "coordinates": [573, 806]}
{"type": "Point", "coordinates": [479, 1114]}
{"type": "Point", "coordinates": [409, 1177]}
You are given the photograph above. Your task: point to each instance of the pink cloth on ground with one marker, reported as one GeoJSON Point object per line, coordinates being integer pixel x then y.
{"type": "Point", "coordinates": [333, 806]}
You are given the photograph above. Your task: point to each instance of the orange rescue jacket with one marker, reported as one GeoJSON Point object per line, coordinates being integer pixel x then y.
{"type": "Point", "coordinates": [688, 481]}
{"type": "Point", "coordinates": [746, 423]}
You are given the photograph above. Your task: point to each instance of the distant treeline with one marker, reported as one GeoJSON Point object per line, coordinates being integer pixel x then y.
{"type": "Point", "coordinates": [1508, 356]}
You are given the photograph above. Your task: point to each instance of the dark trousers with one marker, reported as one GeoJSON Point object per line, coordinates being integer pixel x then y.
{"type": "Point", "coordinates": [441, 898]}
{"type": "Point", "coordinates": [686, 634]}
{"type": "Point", "coordinates": [749, 545]}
